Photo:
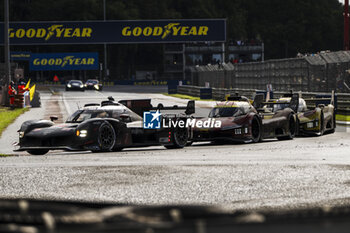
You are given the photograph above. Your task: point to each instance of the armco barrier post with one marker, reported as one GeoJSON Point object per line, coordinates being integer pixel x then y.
{"type": "Point", "coordinates": [206, 93]}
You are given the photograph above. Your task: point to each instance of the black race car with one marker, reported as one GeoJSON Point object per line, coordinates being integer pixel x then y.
{"type": "Point", "coordinates": [109, 126]}
{"type": "Point", "coordinates": [75, 85]}
{"type": "Point", "coordinates": [93, 84]}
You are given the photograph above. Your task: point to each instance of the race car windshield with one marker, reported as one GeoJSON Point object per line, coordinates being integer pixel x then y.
{"type": "Point", "coordinates": [83, 115]}
{"type": "Point", "coordinates": [92, 81]}
{"type": "Point", "coordinates": [75, 82]}
{"type": "Point", "coordinates": [281, 106]}
{"type": "Point", "coordinates": [224, 112]}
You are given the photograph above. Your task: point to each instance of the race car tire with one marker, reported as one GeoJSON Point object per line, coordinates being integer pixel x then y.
{"type": "Point", "coordinates": [37, 152]}
{"type": "Point", "coordinates": [256, 130]}
{"type": "Point", "coordinates": [292, 127]}
{"type": "Point", "coordinates": [180, 138]}
{"type": "Point", "coordinates": [297, 130]}
{"type": "Point", "coordinates": [106, 137]}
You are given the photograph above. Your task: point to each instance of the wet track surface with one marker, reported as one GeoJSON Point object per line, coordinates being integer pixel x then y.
{"type": "Point", "coordinates": [307, 171]}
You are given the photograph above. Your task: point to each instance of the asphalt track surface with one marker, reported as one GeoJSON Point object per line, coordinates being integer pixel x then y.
{"type": "Point", "coordinates": [304, 172]}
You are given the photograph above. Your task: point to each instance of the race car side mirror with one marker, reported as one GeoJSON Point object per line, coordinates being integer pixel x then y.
{"type": "Point", "coordinates": [125, 117]}
{"type": "Point", "coordinates": [53, 118]}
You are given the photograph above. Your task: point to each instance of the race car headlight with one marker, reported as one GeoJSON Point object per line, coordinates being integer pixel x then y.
{"type": "Point", "coordinates": [96, 86]}
{"type": "Point", "coordinates": [68, 85]}
{"type": "Point", "coordinates": [312, 124]}
{"type": "Point", "coordinates": [21, 134]}
{"type": "Point", "coordinates": [81, 85]}
{"type": "Point", "coordinates": [82, 133]}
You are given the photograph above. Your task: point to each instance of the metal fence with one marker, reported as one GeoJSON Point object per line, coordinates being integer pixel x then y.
{"type": "Point", "coordinates": [343, 99]}
{"type": "Point", "coordinates": [319, 73]}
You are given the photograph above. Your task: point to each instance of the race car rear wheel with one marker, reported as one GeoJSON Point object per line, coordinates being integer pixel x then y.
{"type": "Point", "coordinates": [106, 137]}
{"type": "Point", "coordinates": [37, 152]}
{"type": "Point", "coordinates": [179, 137]}
{"type": "Point", "coordinates": [256, 129]}
{"type": "Point", "coordinates": [292, 128]}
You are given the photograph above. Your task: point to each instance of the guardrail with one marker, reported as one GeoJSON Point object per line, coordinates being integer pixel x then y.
{"type": "Point", "coordinates": [343, 99]}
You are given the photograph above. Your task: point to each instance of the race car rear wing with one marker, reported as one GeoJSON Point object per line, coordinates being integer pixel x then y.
{"type": "Point", "coordinates": [259, 102]}
{"type": "Point", "coordinates": [142, 105]}
{"type": "Point", "coordinates": [321, 99]}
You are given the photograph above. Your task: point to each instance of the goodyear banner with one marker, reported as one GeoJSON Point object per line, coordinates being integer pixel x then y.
{"type": "Point", "coordinates": [63, 61]}
{"type": "Point", "coordinates": [95, 32]}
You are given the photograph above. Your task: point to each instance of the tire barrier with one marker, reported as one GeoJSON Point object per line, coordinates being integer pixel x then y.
{"type": "Point", "coordinates": [19, 101]}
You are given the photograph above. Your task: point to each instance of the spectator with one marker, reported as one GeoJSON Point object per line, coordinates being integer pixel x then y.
{"type": "Point", "coordinates": [55, 78]}
{"type": "Point", "coordinates": [12, 92]}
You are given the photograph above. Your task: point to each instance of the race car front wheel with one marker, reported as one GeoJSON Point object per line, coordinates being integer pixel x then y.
{"type": "Point", "coordinates": [106, 137]}
{"type": "Point", "coordinates": [256, 130]}
{"type": "Point", "coordinates": [37, 152]}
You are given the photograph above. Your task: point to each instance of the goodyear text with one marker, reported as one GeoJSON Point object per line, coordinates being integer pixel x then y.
{"type": "Point", "coordinates": [54, 31]}
{"type": "Point", "coordinates": [64, 61]}
{"type": "Point", "coordinates": [173, 29]}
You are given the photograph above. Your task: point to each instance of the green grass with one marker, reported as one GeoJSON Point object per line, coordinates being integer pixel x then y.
{"type": "Point", "coordinates": [6, 155]}
{"type": "Point", "coordinates": [342, 117]}
{"type": "Point", "coordinates": [188, 97]}
{"type": "Point", "coordinates": [7, 116]}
